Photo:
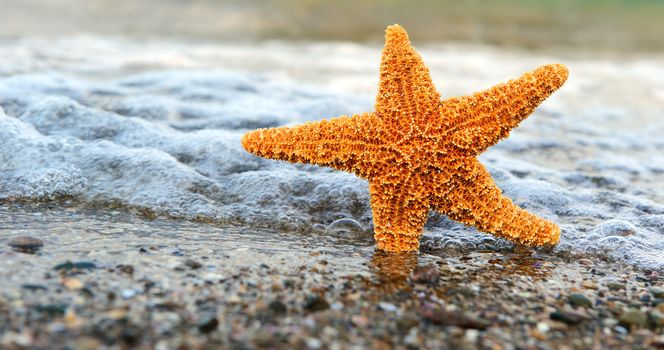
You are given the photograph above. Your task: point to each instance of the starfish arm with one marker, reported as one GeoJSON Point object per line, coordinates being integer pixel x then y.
{"type": "Point", "coordinates": [472, 197]}
{"type": "Point", "coordinates": [407, 99]}
{"type": "Point", "coordinates": [399, 212]}
{"type": "Point", "coordinates": [337, 143]}
{"type": "Point", "coordinates": [488, 116]}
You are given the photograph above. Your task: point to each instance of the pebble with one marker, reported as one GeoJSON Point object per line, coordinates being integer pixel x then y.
{"type": "Point", "coordinates": [52, 309]}
{"type": "Point", "coordinates": [213, 277]}
{"type": "Point", "coordinates": [128, 293]}
{"type": "Point", "coordinates": [658, 303]}
{"type": "Point", "coordinates": [586, 262]}
{"type": "Point", "coordinates": [658, 343]}
{"type": "Point", "coordinates": [313, 343]}
{"type": "Point", "coordinates": [656, 318]}
{"type": "Point", "coordinates": [68, 266]}
{"type": "Point", "coordinates": [543, 327]}
{"type": "Point", "coordinates": [569, 317]}
{"type": "Point", "coordinates": [387, 306]}
{"type": "Point", "coordinates": [633, 318]}
{"type": "Point", "coordinates": [263, 339]}
{"type": "Point", "coordinates": [278, 308]}
{"type": "Point", "coordinates": [613, 285]}
{"type": "Point", "coordinates": [579, 300]}
{"type": "Point", "coordinates": [588, 285]}
{"type": "Point", "coordinates": [26, 244]}
{"type": "Point", "coordinates": [455, 318]}
{"type": "Point", "coordinates": [337, 306]}
{"type": "Point", "coordinates": [657, 292]}
{"type": "Point", "coordinates": [316, 303]}
{"type": "Point", "coordinates": [34, 287]}
{"type": "Point", "coordinates": [207, 324]}
{"type": "Point", "coordinates": [193, 264]}
{"type": "Point", "coordinates": [407, 322]}
{"type": "Point", "coordinates": [359, 321]}
{"type": "Point", "coordinates": [427, 274]}
{"type": "Point", "coordinates": [620, 330]}
{"type": "Point", "coordinates": [73, 284]}
{"type": "Point", "coordinates": [128, 269]}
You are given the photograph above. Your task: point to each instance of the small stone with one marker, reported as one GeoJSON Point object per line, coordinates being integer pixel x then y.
{"type": "Point", "coordinates": [72, 284]}
{"type": "Point", "coordinates": [316, 303]}
{"type": "Point", "coordinates": [313, 343]}
{"type": "Point", "coordinates": [26, 244]}
{"type": "Point", "coordinates": [387, 307]}
{"type": "Point", "coordinates": [472, 335]}
{"type": "Point", "coordinates": [658, 303]}
{"type": "Point", "coordinates": [278, 308]}
{"type": "Point", "coordinates": [207, 324]}
{"type": "Point", "coordinates": [289, 283]}
{"type": "Point", "coordinates": [633, 318]}
{"type": "Point", "coordinates": [569, 317]}
{"type": "Point", "coordinates": [128, 293]}
{"type": "Point", "coordinates": [620, 330]}
{"type": "Point", "coordinates": [72, 320]}
{"type": "Point", "coordinates": [427, 274]}
{"type": "Point", "coordinates": [359, 321]}
{"type": "Point", "coordinates": [263, 338]}
{"type": "Point", "coordinates": [658, 343]}
{"type": "Point", "coordinates": [193, 264]}
{"type": "Point", "coordinates": [34, 287]}
{"type": "Point", "coordinates": [52, 309]}
{"type": "Point", "coordinates": [645, 298]}
{"type": "Point", "coordinates": [579, 300]}
{"type": "Point", "coordinates": [586, 262]}
{"type": "Point", "coordinates": [588, 285]}
{"type": "Point", "coordinates": [177, 252]}
{"type": "Point", "coordinates": [128, 269]}
{"type": "Point", "coordinates": [69, 266]}
{"type": "Point", "coordinates": [214, 278]}
{"type": "Point", "coordinates": [117, 314]}
{"type": "Point", "coordinates": [657, 292]}
{"type": "Point", "coordinates": [22, 340]}
{"type": "Point", "coordinates": [406, 322]}
{"type": "Point", "coordinates": [613, 285]}
{"type": "Point", "coordinates": [543, 327]}
{"type": "Point", "coordinates": [455, 318]}
{"type": "Point", "coordinates": [656, 318]}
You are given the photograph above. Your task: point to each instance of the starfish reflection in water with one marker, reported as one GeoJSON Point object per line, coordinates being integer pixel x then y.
{"type": "Point", "coordinates": [419, 152]}
{"type": "Point", "coordinates": [394, 272]}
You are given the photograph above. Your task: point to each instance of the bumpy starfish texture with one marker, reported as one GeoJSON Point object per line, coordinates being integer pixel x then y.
{"type": "Point", "coordinates": [420, 153]}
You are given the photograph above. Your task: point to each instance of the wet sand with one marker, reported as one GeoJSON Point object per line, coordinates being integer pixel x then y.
{"type": "Point", "coordinates": [116, 279]}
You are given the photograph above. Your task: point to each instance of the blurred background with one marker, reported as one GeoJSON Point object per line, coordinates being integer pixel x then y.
{"type": "Point", "coordinates": [618, 26]}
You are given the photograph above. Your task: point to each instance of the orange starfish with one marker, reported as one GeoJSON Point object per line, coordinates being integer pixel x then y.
{"type": "Point", "coordinates": [420, 153]}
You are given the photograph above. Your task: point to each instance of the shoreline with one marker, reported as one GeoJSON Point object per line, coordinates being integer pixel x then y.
{"type": "Point", "coordinates": [199, 285]}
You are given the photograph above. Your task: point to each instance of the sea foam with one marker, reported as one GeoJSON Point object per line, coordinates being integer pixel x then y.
{"type": "Point", "coordinates": [167, 139]}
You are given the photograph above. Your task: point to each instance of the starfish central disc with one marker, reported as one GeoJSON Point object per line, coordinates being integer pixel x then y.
{"type": "Point", "coordinates": [419, 152]}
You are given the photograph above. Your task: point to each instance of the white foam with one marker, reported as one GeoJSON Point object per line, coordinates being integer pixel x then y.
{"type": "Point", "coordinates": [169, 140]}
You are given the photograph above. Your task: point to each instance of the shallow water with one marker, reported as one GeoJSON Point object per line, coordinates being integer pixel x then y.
{"type": "Point", "coordinates": [155, 128]}
{"type": "Point", "coordinates": [111, 239]}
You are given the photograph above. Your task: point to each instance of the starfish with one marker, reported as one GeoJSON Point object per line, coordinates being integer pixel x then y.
{"type": "Point", "coordinates": [419, 152]}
